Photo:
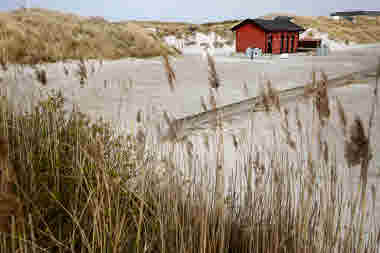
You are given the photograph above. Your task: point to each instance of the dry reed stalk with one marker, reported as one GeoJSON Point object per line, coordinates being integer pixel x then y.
{"type": "Point", "coordinates": [298, 120]}
{"type": "Point", "coordinates": [174, 130]}
{"type": "Point", "coordinates": [373, 193]}
{"type": "Point", "coordinates": [375, 102]}
{"type": "Point", "coordinates": [213, 77]}
{"type": "Point", "coordinates": [206, 141]}
{"type": "Point", "coordinates": [245, 90]}
{"type": "Point", "coordinates": [265, 100]}
{"type": "Point", "coordinates": [273, 96]}
{"type": "Point", "coordinates": [82, 71]}
{"type": "Point", "coordinates": [212, 100]}
{"type": "Point", "coordinates": [235, 141]}
{"type": "Point", "coordinates": [366, 151]}
{"type": "Point", "coordinates": [342, 116]}
{"type": "Point", "coordinates": [203, 104]}
{"type": "Point", "coordinates": [309, 89]}
{"type": "Point", "coordinates": [170, 74]}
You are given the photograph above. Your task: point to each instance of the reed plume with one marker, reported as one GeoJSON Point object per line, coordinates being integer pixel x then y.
{"type": "Point", "coordinates": [170, 74]}
{"type": "Point", "coordinates": [213, 77]}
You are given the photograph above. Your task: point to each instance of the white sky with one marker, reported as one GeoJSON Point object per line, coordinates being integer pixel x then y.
{"type": "Point", "coordinates": [196, 11]}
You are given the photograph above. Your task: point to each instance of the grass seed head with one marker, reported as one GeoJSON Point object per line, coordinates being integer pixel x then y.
{"type": "Point", "coordinates": [235, 141]}
{"type": "Point", "coordinates": [322, 100]}
{"type": "Point", "coordinates": [66, 71]}
{"type": "Point", "coordinates": [41, 76]}
{"type": "Point", "coordinates": [357, 146]}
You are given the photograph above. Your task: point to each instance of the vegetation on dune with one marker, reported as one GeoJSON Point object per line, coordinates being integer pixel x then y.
{"type": "Point", "coordinates": [39, 35]}
{"type": "Point", "coordinates": [71, 184]}
{"type": "Point", "coordinates": [364, 30]}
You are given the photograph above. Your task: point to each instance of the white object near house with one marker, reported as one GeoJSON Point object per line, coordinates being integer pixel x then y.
{"type": "Point", "coordinates": [284, 56]}
{"type": "Point", "coordinates": [174, 42]}
{"type": "Point", "coordinates": [253, 52]}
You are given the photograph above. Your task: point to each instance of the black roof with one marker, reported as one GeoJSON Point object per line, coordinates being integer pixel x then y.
{"type": "Point", "coordinates": [276, 25]}
{"type": "Point", "coordinates": [356, 13]}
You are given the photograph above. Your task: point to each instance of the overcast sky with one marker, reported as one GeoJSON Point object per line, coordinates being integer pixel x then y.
{"type": "Point", "coordinates": [197, 11]}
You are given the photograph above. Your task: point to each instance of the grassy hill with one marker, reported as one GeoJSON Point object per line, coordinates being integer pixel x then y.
{"type": "Point", "coordinates": [40, 35]}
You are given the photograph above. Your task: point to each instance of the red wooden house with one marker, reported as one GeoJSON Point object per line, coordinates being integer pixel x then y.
{"type": "Point", "coordinates": [275, 36]}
